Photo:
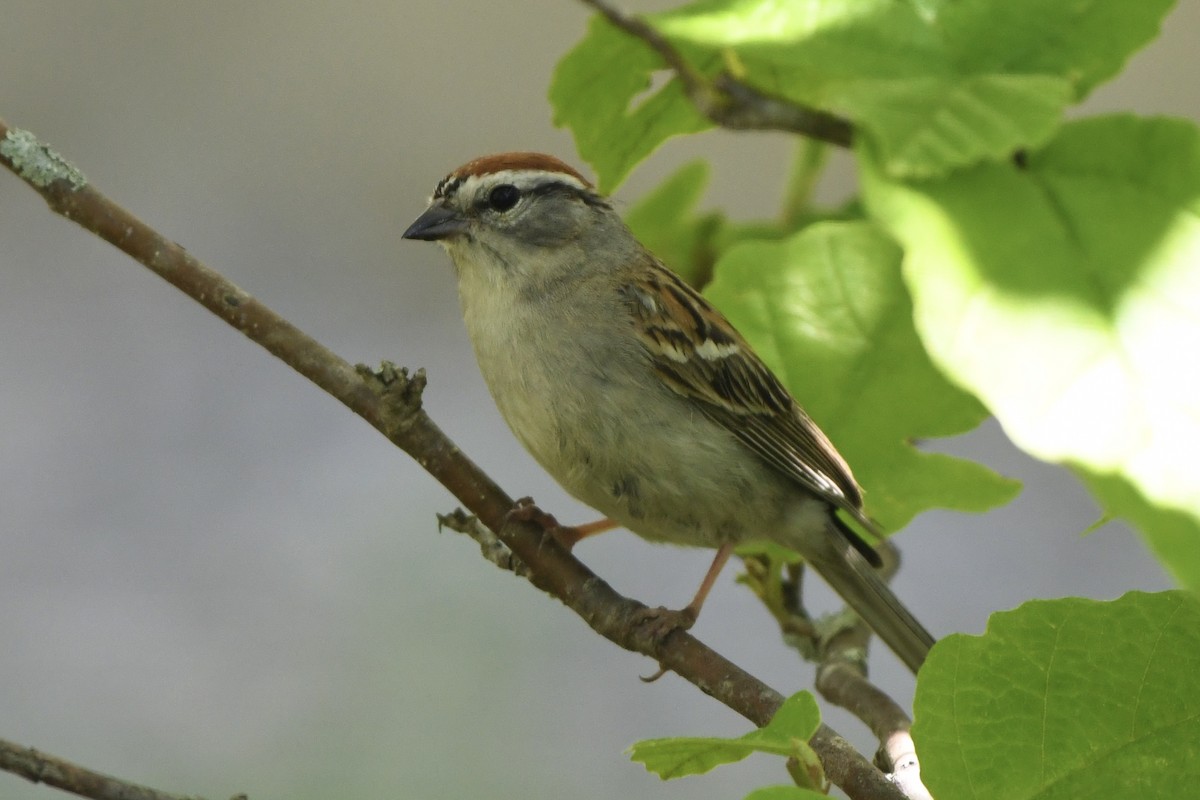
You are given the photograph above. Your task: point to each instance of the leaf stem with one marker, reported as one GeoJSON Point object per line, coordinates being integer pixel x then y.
{"type": "Point", "coordinates": [807, 168]}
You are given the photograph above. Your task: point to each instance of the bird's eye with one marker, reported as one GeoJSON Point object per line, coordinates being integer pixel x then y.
{"type": "Point", "coordinates": [503, 197]}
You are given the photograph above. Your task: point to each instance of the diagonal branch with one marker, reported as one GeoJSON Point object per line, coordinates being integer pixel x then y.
{"type": "Point", "coordinates": [727, 101]}
{"type": "Point", "coordinates": [390, 401]}
{"type": "Point", "coordinates": [38, 767]}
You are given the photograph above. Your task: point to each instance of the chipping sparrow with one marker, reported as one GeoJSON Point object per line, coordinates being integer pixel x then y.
{"type": "Point", "coordinates": [637, 395]}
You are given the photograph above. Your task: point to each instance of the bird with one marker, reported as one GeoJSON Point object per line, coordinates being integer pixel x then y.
{"type": "Point", "coordinates": [636, 394]}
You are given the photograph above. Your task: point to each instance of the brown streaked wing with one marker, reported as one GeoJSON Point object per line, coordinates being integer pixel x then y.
{"type": "Point", "coordinates": [702, 357]}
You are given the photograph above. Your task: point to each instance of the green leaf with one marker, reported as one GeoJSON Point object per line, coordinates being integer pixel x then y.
{"type": "Point", "coordinates": [1066, 295]}
{"type": "Point", "coordinates": [1066, 699]}
{"type": "Point", "coordinates": [1172, 535]}
{"type": "Point", "coordinates": [830, 40]}
{"type": "Point", "coordinates": [925, 126]}
{"type": "Point", "coordinates": [797, 718]}
{"type": "Point", "coordinates": [677, 757]}
{"type": "Point", "coordinates": [885, 67]}
{"type": "Point", "coordinates": [594, 91]}
{"type": "Point", "coordinates": [935, 85]}
{"type": "Point", "coordinates": [827, 311]}
{"type": "Point", "coordinates": [787, 735]}
{"type": "Point", "coordinates": [663, 221]}
{"type": "Point", "coordinates": [1085, 42]}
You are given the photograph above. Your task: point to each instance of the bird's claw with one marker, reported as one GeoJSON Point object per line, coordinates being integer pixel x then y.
{"type": "Point", "coordinates": [525, 510]}
{"type": "Point", "coordinates": [659, 623]}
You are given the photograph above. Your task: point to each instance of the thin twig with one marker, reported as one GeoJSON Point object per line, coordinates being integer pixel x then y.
{"type": "Point", "coordinates": [842, 680]}
{"type": "Point", "coordinates": [726, 100]}
{"type": "Point", "coordinates": [390, 400]}
{"type": "Point", "coordinates": [807, 167]}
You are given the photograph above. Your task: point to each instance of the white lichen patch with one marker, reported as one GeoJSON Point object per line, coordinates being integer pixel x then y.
{"type": "Point", "coordinates": [36, 162]}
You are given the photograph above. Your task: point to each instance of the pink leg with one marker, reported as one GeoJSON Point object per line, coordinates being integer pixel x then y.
{"type": "Point", "coordinates": [569, 536]}
{"type": "Point", "coordinates": [665, 620]}
{"type": "Point", "coordinates": [719, 561]}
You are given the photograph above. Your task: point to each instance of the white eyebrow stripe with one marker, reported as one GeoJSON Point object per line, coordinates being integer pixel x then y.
{"type": "Point", "coordinates": [521, 178]}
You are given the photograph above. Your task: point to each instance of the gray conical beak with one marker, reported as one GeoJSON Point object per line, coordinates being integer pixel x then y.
{"type": "Point", "coordinates": [438, 222]}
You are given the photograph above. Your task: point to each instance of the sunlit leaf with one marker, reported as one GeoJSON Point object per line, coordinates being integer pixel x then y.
{"type": "Point", "coordinates": [1066, 699]}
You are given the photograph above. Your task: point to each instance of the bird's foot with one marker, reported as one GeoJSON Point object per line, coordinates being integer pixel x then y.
{"type": "Point", "coordinates": [525, 510]}
{"type": "Point", "coordinates": [659, 623]}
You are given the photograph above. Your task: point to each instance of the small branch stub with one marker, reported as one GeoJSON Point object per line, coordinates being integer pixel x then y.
{"type": "Point", "coordinates": [490, 545]}
{"type": "Point", "coordinates": [399, 391]}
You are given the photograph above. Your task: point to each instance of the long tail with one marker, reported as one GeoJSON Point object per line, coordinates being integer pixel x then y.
{"type": "Point", "coordinates": [852, 576]}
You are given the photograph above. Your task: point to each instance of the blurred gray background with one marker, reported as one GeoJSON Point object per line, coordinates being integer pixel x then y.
{"type": "Point", "coordinates": [213, 578]}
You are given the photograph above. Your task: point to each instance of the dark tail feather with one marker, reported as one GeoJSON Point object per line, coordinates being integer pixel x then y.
{"type": "Point", "coordinates": [851, 576]}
